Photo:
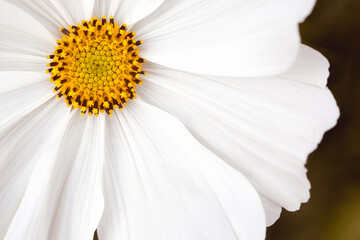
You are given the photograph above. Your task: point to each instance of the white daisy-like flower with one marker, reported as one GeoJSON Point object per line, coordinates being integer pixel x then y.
{"type": "Point", "coordinates": [213, 146]}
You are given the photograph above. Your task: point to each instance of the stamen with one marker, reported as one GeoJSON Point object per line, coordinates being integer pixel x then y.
{"type": "Point", "coordinates": [96, 66]}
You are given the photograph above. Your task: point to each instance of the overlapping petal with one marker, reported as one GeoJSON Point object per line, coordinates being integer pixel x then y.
{"type": "Point", "coordinates": [227, 38]}
{"type": "Point", "coordinates": [264, 127]}
{"type": "Point", "coordinates": [54, 14]}
{"type": "Point", "coordinates": [75, 194]}
{"type": "Point", "coordinates": [63, 197]}
{"type": "Point", "coordinates": [22, 93]}
{"type": "Point", "coordinates": [160, 183]}
{"type": "Point", "coordinates": [24, 147]}
{"type": "Point", "coordinates": [24, 42]}
{"type": "Point", "coordinates": [126, 11]}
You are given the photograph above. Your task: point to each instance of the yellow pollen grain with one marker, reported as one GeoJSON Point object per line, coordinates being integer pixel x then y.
{"type": "Point", "coordinates": [96, 66]}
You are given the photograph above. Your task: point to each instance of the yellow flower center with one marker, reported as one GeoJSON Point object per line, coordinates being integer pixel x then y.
{"type": "Point", "coordinates": [96, 66]}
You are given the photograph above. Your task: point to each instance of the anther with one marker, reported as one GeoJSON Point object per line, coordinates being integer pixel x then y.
{"type": "Point", "coordinates": [94, 21]}
{"type": "Point", "coordinates": [56, 77]}
{"type": "Point", "coordinates": [85, 24]}
{"type": "Point", "coordinates": [65, 31]}
{"type": "Point", "coordinates": [139, 42]}
{"type": "Point", "coordinates": [130, 35]}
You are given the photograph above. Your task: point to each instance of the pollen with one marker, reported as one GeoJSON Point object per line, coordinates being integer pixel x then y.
{"type": "Point", "coordinates": [96, 66]}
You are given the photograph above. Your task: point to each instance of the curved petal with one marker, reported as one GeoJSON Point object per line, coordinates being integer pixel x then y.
{"type": "Point", "coordinates": [17, 25]}
{"type": "Point", "coordinates": [264, 127]}
{"type": "Point", "coordinates": [126, 11]}
{"type": "Point", "coordinates": [16, 52]}
{"type": "Point", "coordinates": [273, 211]}
{"type": "Point", "coordinates": [227, 38]}
{"type": "Point", "coordinates": [63, 199]}
{"type": "Point", "coordinates": [21, 93]}
{"type": "Point", "coordinates": [53, 14]}
{"type": "Point", "coordinates": [13, 80]}
{"type": "Point", "coordinates": [72, 11]}
{"type": "Point", "coordinates": [310, 68]}
{"type": "Point", "coordinates": [160, 183]}
{"type": "Point", "coordinates": [12, 61]}
{"type": "Point", "coordinates": [75, 196]}
{"type": "Point", "coordinates": [21, 147]}
{"type": "Point", "coordinates": [106, 8]}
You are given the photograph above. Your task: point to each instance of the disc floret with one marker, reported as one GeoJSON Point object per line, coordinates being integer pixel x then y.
{"type": "Point", "coordinates": [96, 66]}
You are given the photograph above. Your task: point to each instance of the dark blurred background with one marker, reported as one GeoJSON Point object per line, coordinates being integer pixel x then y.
{"type": "Point", "coordinates": [333, 211]}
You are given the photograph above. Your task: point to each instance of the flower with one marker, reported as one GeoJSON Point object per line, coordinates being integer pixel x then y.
{"type": "Point", "coordinates": [213, 146]}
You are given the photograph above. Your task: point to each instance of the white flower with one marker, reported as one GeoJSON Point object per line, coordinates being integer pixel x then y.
{"type": "Point", "coordinates": [221, 128]}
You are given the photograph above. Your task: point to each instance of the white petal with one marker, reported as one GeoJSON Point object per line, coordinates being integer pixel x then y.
{"type": "Point", "coordinates": [73, 11]}
{"type": "Point", "coordinates": [75, 191]}
{"type": "Point", "coordinates": [306, 69]}
{"type": "Point", "coordinates": [45, 13]}
{"type": "Point", "coordinates": [21, 93]}
{"type": "Point", "coordinates": [10, 81]}
{"type": "Point", "coordinates": [160, 183]}
{"type": "Point", "coordinates": [131, 11]}
{"type": "Point", "coordinates": [16, 25]}
{"type": "Point", "coordinates": [20, 147]}
{"type": "Point", "coordinates": [54, 14]}
{"type": "Point", "coordinates": [105, 7]}
{"type": "Point", "coordinates": [307, 6]}
{"type": "Point", "coordinates": [126, 11]}
{"type": "Point", "coordinates": [23, 40]}
{"type": "Point", "coordinates": [13, 61]}
{"type": "Point", "coordinates": [64, 197]}
{"type": "Point", "coordinates": [264, 127]}
{"type": "Point", "coordinates": [231, 38]}
{"type": "Point", "coordinates": [273, 211]}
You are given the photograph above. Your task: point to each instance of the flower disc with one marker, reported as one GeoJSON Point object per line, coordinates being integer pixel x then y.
{"type": "Point", "coordinates": [96, 66]}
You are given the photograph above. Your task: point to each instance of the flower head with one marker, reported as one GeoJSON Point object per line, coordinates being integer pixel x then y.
{"type": "Point", "coordinates": [96, 66]}
{"type": "Point", "coordinates": [213, 146]}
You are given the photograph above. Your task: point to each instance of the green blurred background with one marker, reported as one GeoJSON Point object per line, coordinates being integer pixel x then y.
{"type": "Point", "coordinates": [333, 211]}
